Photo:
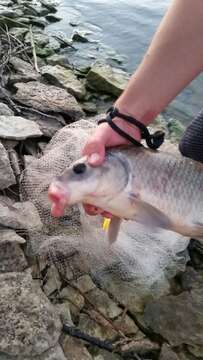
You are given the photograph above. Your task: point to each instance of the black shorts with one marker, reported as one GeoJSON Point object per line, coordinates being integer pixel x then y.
{"type": "Point", "coordinates": [191, 144]}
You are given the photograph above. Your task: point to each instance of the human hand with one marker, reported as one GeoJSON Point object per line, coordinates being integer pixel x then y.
{"type": "Point", "coordinates": [104, 137]}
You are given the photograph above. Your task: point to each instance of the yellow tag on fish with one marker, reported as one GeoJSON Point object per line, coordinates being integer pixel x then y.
{"type": "Point", "coordinates": [106, 224]}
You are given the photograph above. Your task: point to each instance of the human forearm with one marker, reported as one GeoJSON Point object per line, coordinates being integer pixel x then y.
{"type": "Point", "coordinates": [174, 58]}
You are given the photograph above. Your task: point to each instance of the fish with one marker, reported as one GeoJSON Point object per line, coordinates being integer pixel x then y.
{"type": "Point", "coordinates": [154, 188]}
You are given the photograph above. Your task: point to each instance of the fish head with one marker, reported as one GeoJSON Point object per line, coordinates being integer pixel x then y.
{"type": "Point", "coordinates": [83, 183]}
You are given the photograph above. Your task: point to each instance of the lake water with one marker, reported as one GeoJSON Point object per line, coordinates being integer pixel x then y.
{"type": "Point", "coordinates": [125, 28]}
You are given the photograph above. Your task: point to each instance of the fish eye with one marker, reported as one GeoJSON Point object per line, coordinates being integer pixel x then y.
{"type": "Point", "coordinates": [79, 168]}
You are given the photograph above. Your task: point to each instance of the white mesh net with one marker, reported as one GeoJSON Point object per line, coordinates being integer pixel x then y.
{"type": "Point", "coordinates": [139, 262]}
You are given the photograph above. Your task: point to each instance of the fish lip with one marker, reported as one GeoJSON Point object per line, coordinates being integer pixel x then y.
{"type": "Point", "coordinates": [58, 194]}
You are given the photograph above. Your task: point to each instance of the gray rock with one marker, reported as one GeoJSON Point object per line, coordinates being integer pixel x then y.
{"type": "Point", "coordinates": [196, 350]}
{"type": "Point", "coordinates": [84, 283]}
{"type": "Point", "coordinates": [103, 303]}
{"type": "Point", "coordinates": [126, 325]}
{"type": "Point", "coordinates": [50, 5]}
{"type": "Point", "coordinates": [76, 300]}
{"type": "Point", "coordinates": [74, 349]}
{"type": "Point", "coordinates": [59, 59]}
{"type": "Point", "coordinates": [9, 12]}
{"type": "Point", "coordinates": [106, 355]}
{"type": "Point", "coordinates": [53, 18]}
{"type": "Point", "coordinates": [167, 353]}
{"type": "Point", "coordinates": [5, 110]}
{"type": "Point", "coordinates": [24, 71]}
{"type": "Point", "coordinates": [20, 216]}
{"type": "Point", "coordinates": [7, 177]}
{"type": "Point", "coordinates": [48, 98]}
{"type": "Point", "coordinates": [179, 319]}
{"type": "Point", "coordinates": [12, 258]}
{"type": "Point", "coordinates": [52, 281]}
{"type": "Point", "coordinates": [65, 78]}
{"type": "Point", "coordinates": [30, 326]}
{"type": "Point", "coordinates": [40, 39]}
{"type": "Point", "coordinates": [18, 32]}
{"type": "Point", "coordinates": [9, 144]}
{"type": "Point", "coordinates": [107, 79]}
{"type": "Point", "coordinates": [55, 353]}
{"type": "Point", "coordinates": [63, 311]}
{"type": "Point", "coordinates": [54, 44]}
{"type": "Point", "coordinates": [93, 328]}
{"type": "Point", "coordinates": [18, 128]}
{"type": "Point", "coordinates": [80, 36]}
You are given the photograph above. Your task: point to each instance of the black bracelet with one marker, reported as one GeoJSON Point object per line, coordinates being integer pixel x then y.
{"type": "Point", "coordinates": [153, 141]}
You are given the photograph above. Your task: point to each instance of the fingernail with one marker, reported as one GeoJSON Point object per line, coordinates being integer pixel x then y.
{"type": "Point", "coordinates": [93, 158]}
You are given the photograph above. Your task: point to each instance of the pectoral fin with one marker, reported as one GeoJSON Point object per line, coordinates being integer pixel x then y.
{"type": "Point", "coordinates": [150, 216]}
{"type": "Point", "coordinates": [114, 228]}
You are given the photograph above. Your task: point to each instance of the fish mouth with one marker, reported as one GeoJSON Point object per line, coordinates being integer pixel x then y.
{"type": "Point", "coordinates": [60, 199]}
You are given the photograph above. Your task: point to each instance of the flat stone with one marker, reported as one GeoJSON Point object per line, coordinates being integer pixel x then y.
{"type": "Point", "coordinates": [84, 283]}
{"type": "Point", "coordinates": [92, 328]}
{"type": "Point", "coordinates": [48, 98]}
{"type": "Point", "coordinates": [65, 78]}
{"type": "Point", "coordinates": [30, 326]}
{"type": "Point", "coordinates": [20, 216]}
{"type": "Point", "coordinates": [74, 349]}
{"type": "Point", "coordinates": [179, 319]}
{"type": "Point", "coordinates": [103, 303]}
{"type": "Point", "coordinates": [104, 78]}
{"type": "Point", "coordinates": [12, 258]}
{"type": "Point", "coordinates": [52, 281]}
{"type": "Point", "coordinates": [126, 325]}
{"type": "Point", "coordinates": [59, 59]}
{"type": "Point", "coordinates": [74, 297]}
{"type": "Point", "coordinates": [5, 110]}
{"type": "Point", "coordinates": [40, 39]}
{"type": "Point", "coordinates": [18, 128]}
{"type": "Point", "coordinates": [7, 177]}
{"type": "Point", "coordinates": [167, 353]}
{"type": "Point", "coordinates": [24, 71]}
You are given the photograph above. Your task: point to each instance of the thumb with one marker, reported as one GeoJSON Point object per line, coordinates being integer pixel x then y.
{"type": "Point", "coordinates": [95, 147]}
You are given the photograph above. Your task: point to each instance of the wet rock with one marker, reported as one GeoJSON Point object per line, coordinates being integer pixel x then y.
{"type": "Point", "coordinates": [92, 328]}
{"type": "Point", "coordinates": [80, 36]}
{"type": "Point", "coordinates": [48, 98]}
{"type": "Point", "coordinates": [179, 319]}
{"type": "Point", "coordinates": [40, 39]}
{"type": "Point", "coordinates": [167, 353]}
{"type": "Point", "coordinates": [74, 349]}
{"type": "Point", "coordinates": [59, 59]}
{"type": "Point", "coordinates": [5, 110]}
{"type": "Point", "coordinates": [107, 79]}
{"type": "Point", "coordinates": [7, 177]}
{"type": "Point", "coordinates": [53, 18]}
{"type": "Point", "coordinates": [12, 258]}
{"type": "Point", "coordinates": [84, 283]}
{"type": "Point", "coordinates": [52, 281]}
{"type": "Point", "coordinates": [18, 128]}
{"type": "Point", "coordinates": [30, 326]}
{"type": "Point", "coordinates": [65, 78]}
{"type": "Point", "coordinates": [126, 325]}
{"type": "Point", "coordinates": [20, 216]}
{"type": "Point", "coordinates": [103, 303]}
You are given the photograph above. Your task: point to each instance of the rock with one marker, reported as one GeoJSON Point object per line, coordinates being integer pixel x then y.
{"type": "Point", "coordinates": [50, 5]}
{"type": "Point", "coordinates": [52, 281]}
{"type": "Point", "coordinates": [103, 303]}
{"type": "Point", "coordinates": [104, 78]}
{"type": "Point", "coordinates": [126, 325]}
{"type": "Point", "coordinates": [44, 52]}
{"type": "Point", "coordinates": [74, 349]}
{"type": "Point", "coordinates": [106, 355]}
{"type": "Point", "coordinates": [167, 353]}
{"type": "Point", "coordinates": [9, 13]}
{"type": "Point", "coordinates": [40, 39]}
{"type": "Point", "coordinates": [179, 319]}
{"type": "Point", "coordinates": [20, 216]}
{"type": "Point", "coordinates": [59, 59]}
{"type": "Point", "coordinates": [92, 328]}
{"type": "Point", "coordinates": [54, 44]}
{"type": "Point", "coordinates": [196, 350]}
{"type": "Point", "coordinates": [63, 311]}
{"type": "Point", "coordinates": [7, 177]}
{"type": "Point", "coordinates": [84, 283]}
{"type": "Point", "coordinates": [19, 32]}
{"type": "Point", "coordinates": [5, 110]}
{"type": "Point", "coordinates": [48, 98]}
{"type": "Point", "coordinates": [80, 36]}
{"type": "Point", "coordinates": [30, 326]}
{"type": "Point", "coordinates": [75, 299]}
{"type": "Point", "coordinates": [9, 144]}
{"type": "Point", "coordinates": [55, 353]}
{"type": "Point", "coordinates": [65, 78]}
{"type": "Point", "coordinates": [191, 279]}
{"type": "Point", "coordinates": [12, 258]}
{"type": "Point", "coordinates": [143, 347]}
{"type": "Point", "coordinates": [18, 128]}
{"type": "Point", "coordinates": [53, 18]}
{"type": "Point", "coordinates": [89, 107]}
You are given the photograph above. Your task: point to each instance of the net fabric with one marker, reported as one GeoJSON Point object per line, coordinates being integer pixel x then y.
{"type": "Point", "coordinates": [138, 260]}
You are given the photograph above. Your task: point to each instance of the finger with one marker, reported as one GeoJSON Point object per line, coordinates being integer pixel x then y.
{"type": "Point", "coordinates": [95, 146]}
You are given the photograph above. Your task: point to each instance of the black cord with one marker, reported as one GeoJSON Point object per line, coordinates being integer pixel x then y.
{"type": "Point", "coordinates": [153, 141]}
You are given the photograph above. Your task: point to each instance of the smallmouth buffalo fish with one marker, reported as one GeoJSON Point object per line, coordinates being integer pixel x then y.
{"type": "Point", "coordinates": [154, 188]}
